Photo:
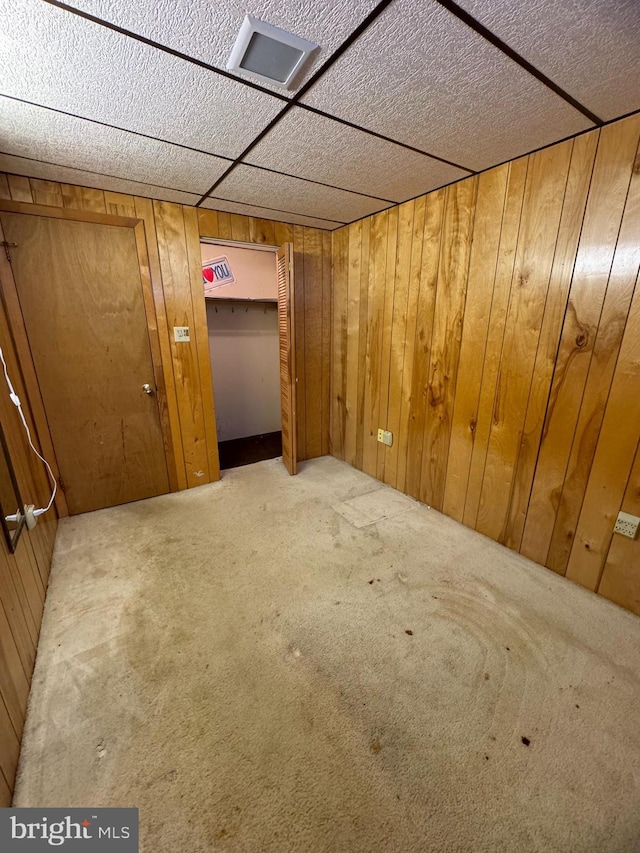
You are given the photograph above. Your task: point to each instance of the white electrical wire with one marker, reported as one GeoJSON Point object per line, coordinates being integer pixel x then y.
{"type": "Point", "coordinates": [16, 402]}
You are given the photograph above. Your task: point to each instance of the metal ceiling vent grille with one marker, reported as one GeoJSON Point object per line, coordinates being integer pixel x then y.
{"type": "Point", "coordinates": [269, 53]}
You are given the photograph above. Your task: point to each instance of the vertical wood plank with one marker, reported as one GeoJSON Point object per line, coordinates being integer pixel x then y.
{"type": "Point", "coordinates": [373, 356]}
{"type": "Point", "coordinates": [447, 336]}
{"type": "Point", "coordinates": [327, 348]}
{"type": "Point", "coordinates": [19, 617]}
{"type": "Point", "coordinates": [606, 346]}
{"type": "Point", "coordinates": [353, 339]}
{"type": "Point", "coordinates": [313, 341]}
{"type": "Point", "coordinates": [30, 580]}
{"type": "Point", "coordinates": [201, 333]}
{"type": "Point", "coordinates": [523, 506]}
{"type": "Point", "coordinates": [389, 279]}
{"type": "Point", "coordinates": [262, 231]}
{"type": "Point", "coordinates": [207, 222]}
{"type": "Point", "coordinates": [30, 472]}
{"type": "Point", "coordinates": [240, 227]}
{"type": "Point", "coordinates": [5, 791]}
{"type": "Point", "coordinates": [415, 271]}
{"type": "Point", "coordinates": [340, 252]}
{"type": "Point", "coordinates": [9, 747]}
{"type": "Point", "coordinates": [398, 337]}
{"type": "Point", "coordinates": [621, 575]}
{"type": "Point", "coordinates": [224, 226]}
{"type": "Point", "coordinates": [174, 265]}
{"type": "Point", "coordinates": [14, 685]}
{"type": "Point", "coordinates": [362, 338]}
{"type": "Point", "coordinates": [300, 276]}
{"type": "Point", "coordinates": [510, 227]}
{"type": "Point", "coordinates": [544, 196]}
{"type": "Point", "coordinates": [482, 271]}
{"type": "Point", "coordinates": [617, 445]}
{"type": "Point", "coordinates": [431, 246]}
{"type": "Point", "coordinates": [283, 233]}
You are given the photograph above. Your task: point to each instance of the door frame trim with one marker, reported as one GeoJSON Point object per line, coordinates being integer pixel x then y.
{"type": "Point", "coordinates": [23, 350]}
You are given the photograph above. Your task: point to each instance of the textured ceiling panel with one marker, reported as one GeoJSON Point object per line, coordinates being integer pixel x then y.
{"type": "Point", "coordinates": [208, 31]}
{"type": "Point", "coordinates": [41, 134]}
{"type": "Point", "coordinates": [299, 143]}
{"type": "Point", "coordinates": [54, 58]}
{"type": "Point", "coordinates": [254, 186]}
{"type": "Point", "coordinates": [49, 172]}
{"type": "Point", "coordinates": [421, 76]}
{"type": "Point", "coordinates": [268, 213]}
{"type": "Point", "coordinates": [590, 48]}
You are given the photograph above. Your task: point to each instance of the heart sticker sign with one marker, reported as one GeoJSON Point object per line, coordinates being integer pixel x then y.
{"type": "Point", "coordinates": [217, 273]}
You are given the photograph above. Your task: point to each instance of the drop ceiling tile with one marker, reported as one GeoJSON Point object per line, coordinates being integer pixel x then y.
{"type": "Point", "coordinates": [269, 213]}
{"type": "Point", "coordinates": [299, 144]}
{"type": "Point", "coordinates": [65, 175]}
{"type": "Point", "coordinates": [207, 31]}
{"type": "Point", "coordinates": [254, 186]}
{"type": "Point", "coordinates": [41, 134]}
{"type": "Point", "coordinates": [57, 59]}
{"type": "Point", "coordinates": [590, 48]}
{"type": "Point", "coordinates": [421, 76]}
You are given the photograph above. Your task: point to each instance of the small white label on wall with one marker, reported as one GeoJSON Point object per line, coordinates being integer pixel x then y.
{"type": "Point", "coordinates": [181, 333]}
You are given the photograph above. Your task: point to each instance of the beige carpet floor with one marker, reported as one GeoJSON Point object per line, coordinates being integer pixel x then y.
{"type": "Point", "coordinates": [321, 664]}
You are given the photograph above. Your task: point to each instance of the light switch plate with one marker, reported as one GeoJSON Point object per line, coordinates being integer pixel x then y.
{"type": "Point", "coordinates": [181, 333]}
{"type": "Point", "coordinates": [627, 525]}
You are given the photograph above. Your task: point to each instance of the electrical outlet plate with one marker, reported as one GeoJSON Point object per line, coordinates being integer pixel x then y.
{"type": "Point", "coordinates": [627, 525]}
{"type": "Point", "coordinates": [385, 437]}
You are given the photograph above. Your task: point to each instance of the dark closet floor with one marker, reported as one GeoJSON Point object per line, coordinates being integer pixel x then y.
{"type": "Point", "coordinates": [254, 448]}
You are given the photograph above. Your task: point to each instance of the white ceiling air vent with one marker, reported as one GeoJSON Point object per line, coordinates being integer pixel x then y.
{"type": "Point", "coordinates": [269, 53]}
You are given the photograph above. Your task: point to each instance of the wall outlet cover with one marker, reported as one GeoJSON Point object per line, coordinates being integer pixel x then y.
{"type": "Point", "coordinates": [385, 437]}
{"type": "Point", "coordinates": [627, 525]}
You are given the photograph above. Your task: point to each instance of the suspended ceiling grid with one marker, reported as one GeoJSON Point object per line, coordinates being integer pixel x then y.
{"type": "Point", "coordinates": [404, 96]}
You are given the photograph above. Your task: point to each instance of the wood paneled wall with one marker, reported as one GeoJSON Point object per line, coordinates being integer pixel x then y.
{"type": "Point", "coordinates": [172, 233]}
{"type": "Point", "coordinates": [23, 575]}
{"type": "Point", "coordinates": [494, 327]}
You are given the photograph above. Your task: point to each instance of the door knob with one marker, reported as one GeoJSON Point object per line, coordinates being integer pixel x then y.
{"type": "Point", "coordinates": [147, 388]}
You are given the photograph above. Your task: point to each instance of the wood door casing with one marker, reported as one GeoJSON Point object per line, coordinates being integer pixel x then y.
{"type": "Point", "coordinates": [286, 345]}
{"type": "Point", "coordinates": [81, 298]}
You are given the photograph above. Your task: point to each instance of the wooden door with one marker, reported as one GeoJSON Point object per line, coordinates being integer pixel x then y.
{"type": "Point", "coordinates": [81, 297]}
{"type": "Point", "coordinates": [286, 338]}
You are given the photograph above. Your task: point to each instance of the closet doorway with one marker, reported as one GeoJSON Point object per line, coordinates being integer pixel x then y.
{"type": "Point", "coordinates": [247, 290]}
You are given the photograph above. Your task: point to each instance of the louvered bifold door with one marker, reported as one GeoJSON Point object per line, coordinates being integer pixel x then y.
{"type": "Point", "coordinates": [286, 329]}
